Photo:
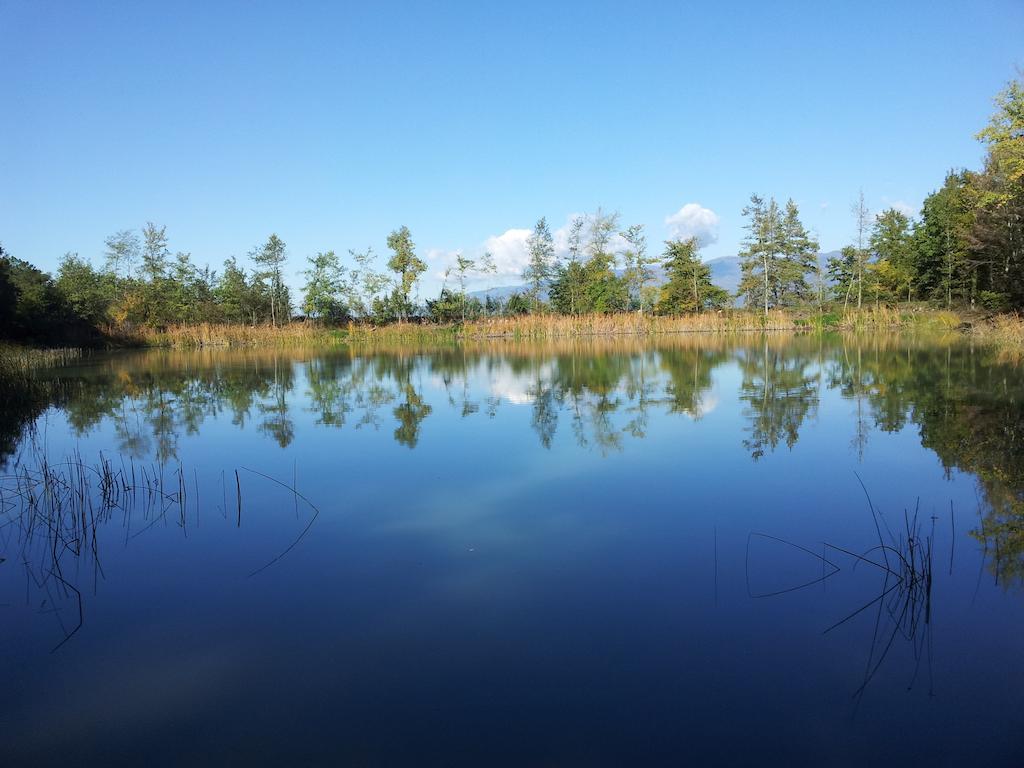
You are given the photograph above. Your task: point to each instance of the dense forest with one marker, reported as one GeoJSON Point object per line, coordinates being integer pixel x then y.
{"type": "Point", "coordinates": [964, 249]}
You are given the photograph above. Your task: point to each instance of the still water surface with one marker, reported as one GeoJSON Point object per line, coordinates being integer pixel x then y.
{"type": "Point", "coordinates": [528, 554]}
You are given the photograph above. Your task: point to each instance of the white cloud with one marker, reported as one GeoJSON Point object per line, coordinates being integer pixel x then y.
{"type": "Point", "coordinates": [694, 220]}
{"type": "Point", "coordinates": [509, 250]}
{"type": "Point", "coordinates": [903, 207]}
{"type": "Point", "coordinates": [907, 209]}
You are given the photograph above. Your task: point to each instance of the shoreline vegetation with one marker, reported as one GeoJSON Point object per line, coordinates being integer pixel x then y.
{"type": "Point", "coordinates": [957, 265]}
{"type": "Point", "coordinates": [18, 360]}
{"type": "Point", "coordinates": [1005, 329]}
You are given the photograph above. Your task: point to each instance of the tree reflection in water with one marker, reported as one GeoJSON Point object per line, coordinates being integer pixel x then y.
{"type": "Point", "coordinates": [967, 404]}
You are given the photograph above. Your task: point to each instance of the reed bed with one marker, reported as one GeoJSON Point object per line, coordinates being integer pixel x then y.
{"type": "Point", "coordinates": [235, 335]}
{"type": "Point", "coordinates": [625, 324]}
{"type": "Point", "coordinates": [875, 317]}
{"type": "Point", "coordinates": [549, 326]}
{"type": "Point", "coordinates": [1006, 330]}
{"type": "Point", "coordinates": [18, 361]}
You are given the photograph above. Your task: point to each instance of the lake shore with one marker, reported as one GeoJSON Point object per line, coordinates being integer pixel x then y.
{"type": "Point", "coordinates": [1004, 330]}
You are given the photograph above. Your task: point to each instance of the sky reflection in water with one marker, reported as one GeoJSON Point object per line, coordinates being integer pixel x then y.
{"type": "Point", "coordinates": [529, 553]}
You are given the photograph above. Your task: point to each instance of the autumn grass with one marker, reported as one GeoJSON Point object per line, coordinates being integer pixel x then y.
{"type": "Point", "coordinates": [236, 335]}
{"type": "Point", "coordinates": [1006, 330]}
{"type": "Point", "coordinates": [1005, 334]}
{"type": "Point", "coordinates": [624, 324]}
{"type": "Point", "coordinates": [17, 361]}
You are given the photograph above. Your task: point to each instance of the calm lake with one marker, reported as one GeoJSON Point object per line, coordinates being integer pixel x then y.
{"type": "Point", "coordinates": [568, 553]}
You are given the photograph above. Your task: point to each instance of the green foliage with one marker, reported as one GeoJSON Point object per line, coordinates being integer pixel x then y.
{"type": "Point", "coordinates": [452, 307]}
{"type": "Point", "coordinates": [406, 266]}
{"type": "Point", "coordinates": [122, 251]}
{"type": "Point", "coordinates": [8, 292]}
{"type": "Point", "coordinates": [540, 249]}
{"type": "Point", "coordinates": [233, 295]}
{"type": "Point", "coordinates": [567, 289]}
{"type": "Point", "coordinates": [892, 244]}
{"type": "Point", "coordinates": [517, 304]}
{"type": "Point", "coordinates": [941, 240]}
{"type": "Point", "coordinates": [271, 257]}
{"type": "Point", "coordinates": [777, 256]}
{"type": "Point", "coordinates": [1004, 137]}
{"type": "Point", "coordinates": [391, 307]}
{"type": "Point", "coordinates": [89, 293]}
{"type": "Point", "coordinates": [639, 266]}
{"type": "Point", "coordinates": [603, 292]}
{"type": "Point", "coordinates": [689, 287]}
{"type": "Point", "coordinates": [34, 308]}
{"type": "Point", "coordinates": [324, 287]}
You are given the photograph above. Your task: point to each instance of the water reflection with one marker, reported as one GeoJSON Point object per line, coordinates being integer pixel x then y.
{"type": "Point", "coordinates": [967, 406]}
{"type": "Point", "coordinates": [503, 524]}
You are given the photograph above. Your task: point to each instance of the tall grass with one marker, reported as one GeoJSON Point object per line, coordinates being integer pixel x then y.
{"type": "Point", "coordinates": [19, 362]}
{"type": "Point", "coordinates": [1005, 334]}
{"type": "Point", "coordinates": [235, 335]}
{"type": "Point", "coordinates": [625, 324]}
{"type": "Point", "coordinates": [1002, 329]}
{"type": "Point", "coordinates": [20, 387]}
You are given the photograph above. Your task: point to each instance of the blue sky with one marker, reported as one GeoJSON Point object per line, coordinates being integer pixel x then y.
{"type": "Point", "coordinates": [333, 123]}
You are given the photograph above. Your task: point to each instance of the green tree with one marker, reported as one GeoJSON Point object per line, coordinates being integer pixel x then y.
{"type": "Point", "coordinates": [861, 254]}
{"type": "Point", "coordinates": [799, 259]}
{"type": "Point", "coordinates": [122, 251]}
{"type": "Point", "coordinates": [893, 247]}
{"type": "Point", "coordinates": [997, 232]}
{"type": "Point", "coordinates": [603, 291]}
{"type": "Point", "coordinates": [407, 267]}
{"type": "Point", "coordinates": [232, 294]}
{"type": "Point", "coordinates": [777, 256]}
{"type": "Point", "coordinates": [540, 249]}
{"type": "Point", "coordinates": [1004, 138]}
{"type": "Point", "coordinates": [324, 283]}
{"type": "Point", "coordinates": [689, 287]}
{"type": "Point", "coordinates": [8, 292]}
{"type": "Point", "coordinates": [761, 254]}
{"type": "Point", "coordinates": [842, 272]}
{"type": "Point", "coordinates": [639, 266]}
{"type": "Point", "coordinates": [941, 240]}
{"type": "Point", "coordinates": [88, 292]}
{"type": "Point", "coordinates": [155, 253]}
{"type": "Point", "coordinates": [271, 257]}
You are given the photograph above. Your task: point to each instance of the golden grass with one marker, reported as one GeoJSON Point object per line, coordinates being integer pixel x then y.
{"type": "Point", "coordinates": [16, 360]}
{"type": "Point", "coordinates": [1002, 329]}
{"type": "Point", "coordinates": [625, 324]}
{"type": "Point", "coordinates": [1005, 334]}
{"type": "Point", "coordinates": [227, 335]}
{"type": "Point", "coordinates": [881, 316]}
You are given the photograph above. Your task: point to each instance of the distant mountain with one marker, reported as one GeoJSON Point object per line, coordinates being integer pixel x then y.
{"type": "Point", "coordinates": [725, 273]}
{"type": "Point", "coordinates": [499, 292]}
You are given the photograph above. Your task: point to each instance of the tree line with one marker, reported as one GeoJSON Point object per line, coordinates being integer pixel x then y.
{"type": "Point", "coordinates": [964, 249]}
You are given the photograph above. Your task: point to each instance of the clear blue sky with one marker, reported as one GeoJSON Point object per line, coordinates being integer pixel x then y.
{"type": "Point", "coordinates": [333, 123]}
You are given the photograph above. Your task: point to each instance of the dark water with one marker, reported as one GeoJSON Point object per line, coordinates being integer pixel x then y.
{"type": "Point", "coordinates": [565, 554]}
